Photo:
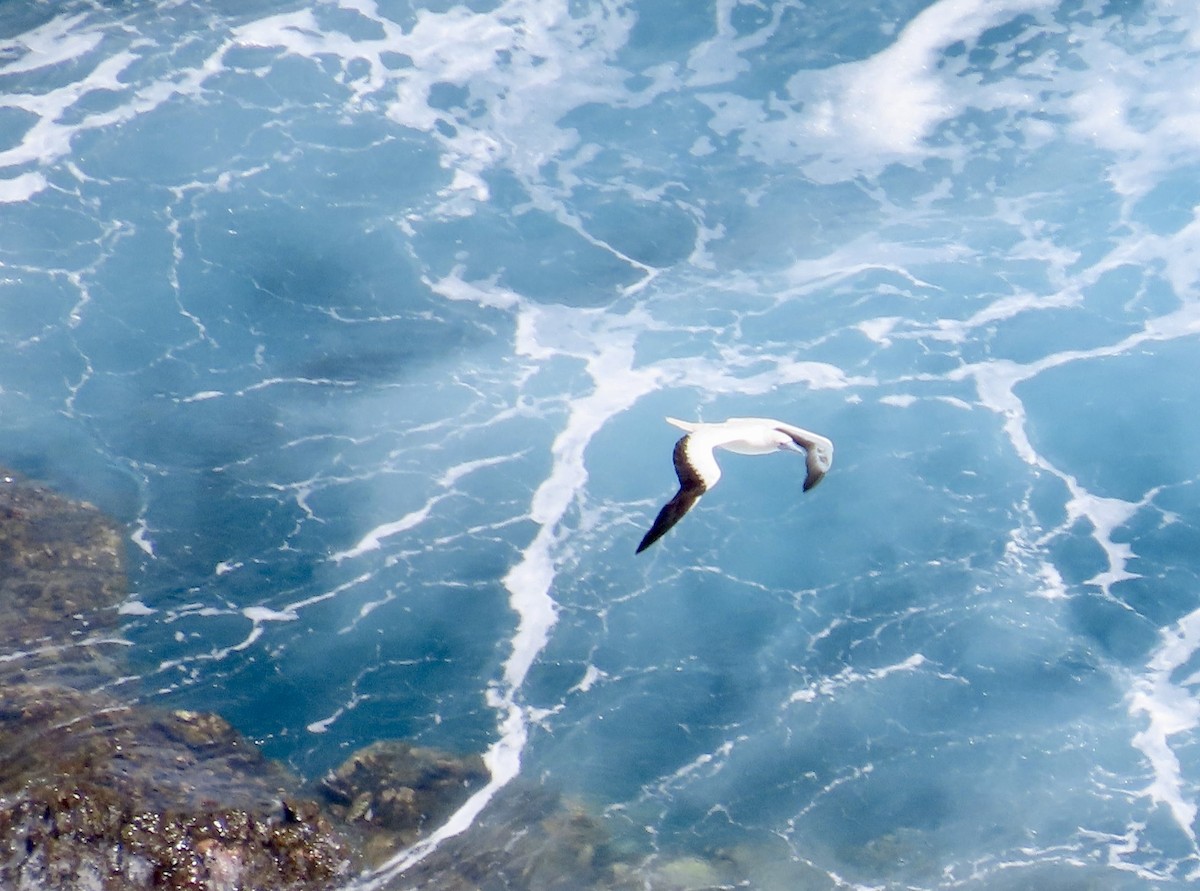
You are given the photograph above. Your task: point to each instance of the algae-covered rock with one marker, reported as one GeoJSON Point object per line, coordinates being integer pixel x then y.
{"type": "Point", "coordinates": [530, 838]}
{"type": "Point", "coordinates": [62, 560]}
{"type": "Point", "coordinates": [84, 836]}
{"type": "Point", "coordinates": [102, 795]}
{"type": "Point", "coordinates": [95, 794]}
{"type": "Point", "coordinates": [61, 576]}
{"type": "Point", "coordinates": [401, 790]}
{"type": "Point", "coordinates": [688, 874]}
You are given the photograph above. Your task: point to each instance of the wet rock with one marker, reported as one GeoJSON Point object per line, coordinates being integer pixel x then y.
{"type": "Point", "coordinates": [84, 836]}
{"type": "Point", "coordinates": [905, 850]}
{"type": "Point", "coordinates": [400, 790]}
{"type": "Point", "coordinates": [531, 839]}
{"type": "Point", "coordinates": [61, 576]}
{"type": "Point", "coordinates": [102, 795]}
{"type": "Point", "coordinates": [95, 794]}
{"type": "Point", "coordinates": [689, 874]}
{"type": "Point", "coordinates": [761, 866]}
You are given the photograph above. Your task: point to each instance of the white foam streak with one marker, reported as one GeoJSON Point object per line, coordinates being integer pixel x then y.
{"type": "Point", "coordinates": [51, 44]}
{"type": "Point", "coordinates": [260, 614]}
{"type": "Point", "coordinates": [50, 139]}
{"type": "Point", "coordinates": [21, 188]}
{"type": "Point", "coordinates": [256, 615]}
{"type": "Point", "coordinates": [605, 343]}
{"type": "Point", "coordinates": [1142, 109]}
{"type": "Point", "coordinates": [556, 56]}
{"type": "Point", "coordinates": [1171, 709]}
{"type": "Point", "coordinates": [1106, 516]}
{"type": "Point", "coordinates": [863, 115]}
{"type": "Point", "coordinates": [996, 381]}
{"type": "Point", "coordinates": [373, 540]}
{"type": "Point", "coordinates": [719, 60]}
{"type": "Point", "coordinates": [847, 677]}
{"type": "Point", "coordinates": [466, 468]}
{"type": "Point", "coordinates": [141, 537]}
{"type": "Point", "coordinates": [454, 287]}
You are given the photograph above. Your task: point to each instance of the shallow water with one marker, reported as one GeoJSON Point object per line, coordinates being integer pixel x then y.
{"type": "Point", "coordinates": [362, 318]}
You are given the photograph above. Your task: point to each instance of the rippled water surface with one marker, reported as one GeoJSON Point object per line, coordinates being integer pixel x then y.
{"type": "Point", "coordinates": [362, 319]}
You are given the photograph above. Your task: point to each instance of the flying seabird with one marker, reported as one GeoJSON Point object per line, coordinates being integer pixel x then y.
{"type": "Point", "coordinates": [697, 468]}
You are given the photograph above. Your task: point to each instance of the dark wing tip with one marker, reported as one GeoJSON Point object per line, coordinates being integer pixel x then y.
{"type": "Point", "coordinates": [672, 512]}
{"type": "Point", "coordinates": [814, 472]}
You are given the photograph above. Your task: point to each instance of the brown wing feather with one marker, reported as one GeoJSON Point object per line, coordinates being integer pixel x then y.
{"type": "Point", "coordinates": [691, 487]}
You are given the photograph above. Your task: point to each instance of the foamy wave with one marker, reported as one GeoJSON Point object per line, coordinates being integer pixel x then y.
{"type": "Point", "coordinates": [886, 107]}
{"type": "Point", "coordinates": [1171, 707]}
{"type": "Point", "coordinates": [554, 59]}
{"type": "Point", "coordinates": [605, 344]}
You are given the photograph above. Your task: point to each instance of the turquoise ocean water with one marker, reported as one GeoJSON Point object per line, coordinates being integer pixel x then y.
{"type": "Point", "coordinates": [363, 316]}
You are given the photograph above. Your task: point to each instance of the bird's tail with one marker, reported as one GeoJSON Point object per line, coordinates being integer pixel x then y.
{"type": "Point", "coordinates": [689, 426]}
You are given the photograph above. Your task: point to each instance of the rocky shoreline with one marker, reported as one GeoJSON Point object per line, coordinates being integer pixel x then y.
{"type": "Point", "coordinates": [98, 794]}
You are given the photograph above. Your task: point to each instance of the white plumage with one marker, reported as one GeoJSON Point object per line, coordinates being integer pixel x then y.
{"type": "Point", "coordinates": [698, 471]}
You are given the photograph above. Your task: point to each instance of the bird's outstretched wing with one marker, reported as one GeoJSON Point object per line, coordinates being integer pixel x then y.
{"type": "Point", "coordinates": [818, 452]}
{"type": "Point", "coordinates": [691, 487]}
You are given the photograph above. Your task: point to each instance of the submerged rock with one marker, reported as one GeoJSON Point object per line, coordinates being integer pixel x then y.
{"type": "Point", "coordinates": [397, 791]}
{"type": "Point", "coordinates": [533, 840]}
{"type": "Point", "coordinates": [62, 575]}
{"type": "Point", "coordinates": [101, 795]}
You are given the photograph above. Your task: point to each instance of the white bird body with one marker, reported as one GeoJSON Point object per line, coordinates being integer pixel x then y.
{"type": "Point", "coordinates": [698, 471]}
